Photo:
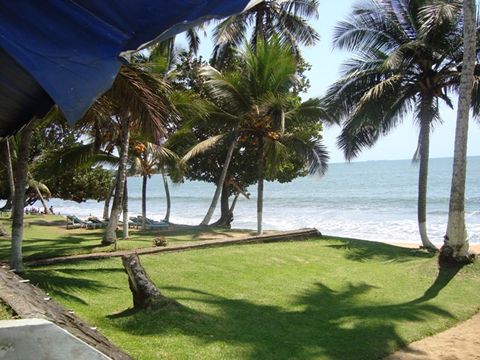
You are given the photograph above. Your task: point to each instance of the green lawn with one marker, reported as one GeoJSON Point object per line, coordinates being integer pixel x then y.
{"type": "Point", "coordinates": [320, 299]}
{"type": "Point", "coordinates": [46, 236]}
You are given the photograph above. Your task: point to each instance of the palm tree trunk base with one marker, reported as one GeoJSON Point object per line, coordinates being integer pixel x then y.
{"type": "Point", "coordinates": [224, 222]}
{"type": "Point", "coordinates": [108, 241]}
{"type": "Point", "coordinates": [145, 294]}
{"type": "Point", "coordinates": [426, 243]}
{"type": "Point", "coordinates": [450, 255]}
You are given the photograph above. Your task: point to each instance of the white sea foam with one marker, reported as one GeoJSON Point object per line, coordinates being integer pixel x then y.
{"type": "Point", "coordinates": [373, 201]}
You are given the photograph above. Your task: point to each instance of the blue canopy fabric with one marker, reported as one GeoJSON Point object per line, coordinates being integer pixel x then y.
{"type": "Point", "coordinates": [68, 52]}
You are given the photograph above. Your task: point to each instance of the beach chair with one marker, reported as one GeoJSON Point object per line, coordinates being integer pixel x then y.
{"type": "Point", "coordinates": [95, 223]}
{"type": "Point", "coordinates": [134, 223]}
{"type": "Point", "coordinates": [151, 224]}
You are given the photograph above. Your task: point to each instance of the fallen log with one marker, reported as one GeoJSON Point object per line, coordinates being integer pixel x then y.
{"type": "Point", "coordinates": [145, 294]}
{"type": "Point", "coordinates": [296, 235]}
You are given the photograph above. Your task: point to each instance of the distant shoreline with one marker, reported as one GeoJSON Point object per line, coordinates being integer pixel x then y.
{"type": "Point", "coordinates": [380, 160]}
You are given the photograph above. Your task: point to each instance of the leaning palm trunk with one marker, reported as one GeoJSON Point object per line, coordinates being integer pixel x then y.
{"type": "Point", "coordinates": [424, 143]}
{"type": "Point", "coordinates": [225, 219]}
{"type": "Point", "coordinates": [456, 240]}
{"type": "Point", "coordinates": [21, 171]}
{"type": "Point", "coordinates": [125, 210]}
{"type": "Point", "coordinates": [234, 203]}
{"type": "Point", "coordinates": [106, 206]}
{"type": "Point", "coordinates": [167, 195]}
{"type": "Point", "coordinates": [46, 210]}
{"type": "Point", "coordinates": [144, 201]}
{"type": "Point", "coordinates": [261, 170]}
{"type": "Point", "coordinates": [110, 236]}
{"type": "Point", "coordinates": [11, 181]}
{"type": "Point", "coordinates": [221, 180]}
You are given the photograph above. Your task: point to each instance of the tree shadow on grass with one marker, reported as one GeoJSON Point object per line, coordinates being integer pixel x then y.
{"type": "Point", "coordinates": [66, 286]}
{"type": "Point", "coordinates": [39, 248]}
{"type": "Point", "coordinates": [362, 250]}
{"type": "Point", "coordinates": [445, 275]}
{"type": "Point", "coordinates": [321, 323]}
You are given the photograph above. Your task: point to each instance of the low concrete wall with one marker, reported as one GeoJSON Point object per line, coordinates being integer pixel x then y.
{"type": "Point", "coordinates": [38, 339]}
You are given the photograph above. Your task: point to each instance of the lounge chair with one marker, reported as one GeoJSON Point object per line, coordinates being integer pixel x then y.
{"type": "Point", "coordinates": [134, 223]}
{"type": "Point", "coordinates": [151, 224]}
{"type": "Point", "coordinates": [96, 223]}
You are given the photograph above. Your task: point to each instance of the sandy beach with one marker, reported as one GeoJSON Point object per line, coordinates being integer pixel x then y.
{"type": "Point", "coordinates": [458, 343]}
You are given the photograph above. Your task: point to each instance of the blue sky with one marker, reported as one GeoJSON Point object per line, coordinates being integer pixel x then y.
{"type": "Point", "coordinates": [401, 142]}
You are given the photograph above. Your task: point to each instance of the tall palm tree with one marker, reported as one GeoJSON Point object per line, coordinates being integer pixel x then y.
{"type": "Point", "coordinates": [257, 102]}
{"type": "Point", "coordinates": [148, 159]}
{"type": "Point", "coordinates": [286, 19]}
{"type": "Point", "coordinates": [405, 62]}
{"type": "Point", "coordinates": [136, 102]}
{"type": "Point", "coordinates": [456, 239]}
{"type": "Point", "coordinates": [21, 170]}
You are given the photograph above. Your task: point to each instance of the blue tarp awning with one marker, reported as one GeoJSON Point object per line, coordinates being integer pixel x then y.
{"type": "Point", "coordinates": [68, 52]}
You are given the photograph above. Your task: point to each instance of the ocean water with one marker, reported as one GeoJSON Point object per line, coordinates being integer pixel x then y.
{"type": "Point", "coordinates": [373, 200]}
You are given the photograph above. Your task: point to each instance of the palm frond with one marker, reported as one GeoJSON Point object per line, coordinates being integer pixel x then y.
{"type": "Point", "coordinates": [144, 99]}
{"type": "Point", "coordinates": [203, 147]}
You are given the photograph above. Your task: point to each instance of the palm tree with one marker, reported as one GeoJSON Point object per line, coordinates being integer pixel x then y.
{"type": "Point", "coordinates": [456, 239]}
{"type": "Point", "coordinates": [257, 102]}
{"type": "Point", "coordinates": [21, 170]}
{"type": "Point", "coordinates": [136, 102]}
{"type": "Point", "coordinates": [286, 19]}
{"type": "Point", "coordinates": [405, 61]}
{"type": "Point", "coordinates": [149, 159]}
{"type": "Point", "coordinates": [106, 206]}
{"type": "Point", "coordinates": [39, 189]}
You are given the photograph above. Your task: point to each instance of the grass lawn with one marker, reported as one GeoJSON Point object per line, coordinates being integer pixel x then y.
{"type": "Point", "coordinates": [46, 236]}
{"type": "Point", "coordinates": [324, 298]}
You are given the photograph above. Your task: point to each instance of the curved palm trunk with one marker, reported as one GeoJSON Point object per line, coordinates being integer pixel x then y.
{"type": "Point", "coordinates": [424, 141]}
{"type": "Point", "coordinates": [21, 171]}
{"type": "Point", "coordinates": [261, 170]}
{"type": "Point", "coordinates": [225, 215]}
{"type": "Point", "coordinates": [234, 203]}
{"type": "Point", "coordinates": [221, 180]}
{"type": "Point", "coordinates": [456, 240]}
{"type": "Point", "coordinates": [110, 236]}
{"type": "Point", "coordinates": [106, 207]}
{"type": "Point", "coordinates": [144, 200]}
{"type": "Point", "coordinates": [46, 210]}
{"type": "Point", "coordinates": [167, 195]}
{"type": "Point", "coordinates": [11, 181]}
{"type": "Point", "coordinates": [125, 210]}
